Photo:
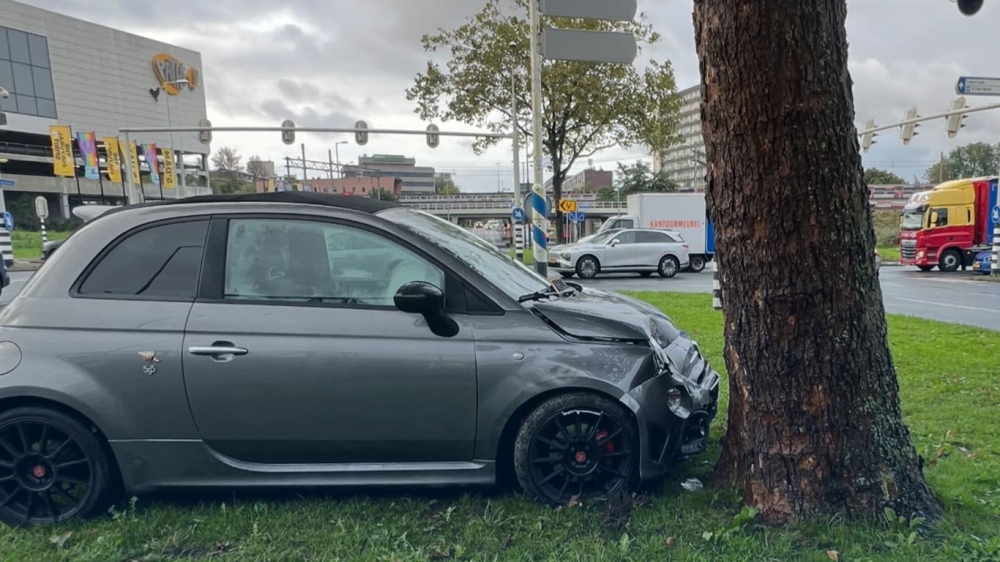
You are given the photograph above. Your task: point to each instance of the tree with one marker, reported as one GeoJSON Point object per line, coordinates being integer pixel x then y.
{"type": "Point", "coordinates": [383, 195]}
{"type": "Point", "coordinates": [974, 160]}
{"type": "Point", "coordinates": [256, 167]}
{"type": "Point", "coordinates": [637, 178]}
{"type": "Point", "coordinates": [228, 166]}
{"type": "Point", "coordinates": [444, 185]}
{"type": "Point", "coordinates": [588, 107]}
{"type": "Point", "coordinates": [814, 423]}
{"type": "Point", "coordinates": [874, 176]}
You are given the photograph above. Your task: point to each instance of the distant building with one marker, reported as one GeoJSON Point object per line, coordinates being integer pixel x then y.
{"type": "Point", "coordinates": [363, 186]}
{"type": "Point", "coordinates": [587, 181]}
{"type": "Point", "coordinates": [685, 163]}
{"type": "Point", "coordinates": [416, 179]}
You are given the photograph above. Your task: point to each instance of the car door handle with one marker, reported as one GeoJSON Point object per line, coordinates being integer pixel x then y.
{"type": "Point", "coordinates": [220, 351]}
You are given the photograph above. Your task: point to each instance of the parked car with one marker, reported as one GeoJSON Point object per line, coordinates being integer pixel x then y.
{"type": "Point", "coordinates": [641, 251]}
{"type": "Point", "coordinates": [303, 339]}
{"type": "Point", "coordinates": [84, 212]}
{"type": "Point", "coordinates": [983, 263]}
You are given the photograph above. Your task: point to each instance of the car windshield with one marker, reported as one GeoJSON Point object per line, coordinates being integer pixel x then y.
{"type": "Point", "coordinates": [912, 220]}
{"type": "Point", "coordinates": [508, 275]}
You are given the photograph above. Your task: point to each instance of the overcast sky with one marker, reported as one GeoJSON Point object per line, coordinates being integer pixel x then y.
{"type": "Point", "coordinates": [330, 63]}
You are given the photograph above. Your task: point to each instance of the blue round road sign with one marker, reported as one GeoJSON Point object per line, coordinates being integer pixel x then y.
{"type": "Point", "coordinates": [8, 221]}
{"type": "Point", "coordinates": [996, 214]}
{"type": "Point", "coordinates": [517, 214]}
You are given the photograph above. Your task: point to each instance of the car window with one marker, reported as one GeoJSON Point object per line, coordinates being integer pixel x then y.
{"type": "Point", "coordinates": [159, 262]}
{"type": "Point", "coordinates": [624, 223]}
{"type": "Point", "coordinates": [942, 217]}
{"type": "Point", "coordinates": [626, 237]}
{"type": "Point", "coordinates": [647, 237]}
{"type": "Point", "coordinates": [299, 261]}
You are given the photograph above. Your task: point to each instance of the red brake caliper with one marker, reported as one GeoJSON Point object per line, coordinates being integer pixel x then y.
{"type": "Point", "coordinates": [608, 447]}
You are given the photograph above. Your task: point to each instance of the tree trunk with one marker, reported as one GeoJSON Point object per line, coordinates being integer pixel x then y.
{"type": "Point", "coordinates": [814, 416]}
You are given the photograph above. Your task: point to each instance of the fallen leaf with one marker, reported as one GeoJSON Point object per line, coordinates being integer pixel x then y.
{"type": "Point", "coordinates": [60, 540]}
{"type": "Point", "coordinates": [671, 541]}
{"type": "Point", "coordinates": [707, 535]}
{"type": "Point", "coordinates": [833, 555]}
{"type": "Point", "coordinates": [574, 502]}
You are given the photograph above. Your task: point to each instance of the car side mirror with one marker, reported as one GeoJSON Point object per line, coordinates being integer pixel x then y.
{"type": "Point", "coordinates": [615, 242]}
{"type": "Point", "coordinates": [420, 297]}
{"type": "Point", "coordinates": [935, 219]}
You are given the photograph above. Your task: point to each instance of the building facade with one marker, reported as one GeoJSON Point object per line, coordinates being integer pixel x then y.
{"type": "Point", "coordinates": [685, 163]}
{"type": "Point", "coordinates": [66, 72]}
{"type": "Point", "coordinates": [417, 180]}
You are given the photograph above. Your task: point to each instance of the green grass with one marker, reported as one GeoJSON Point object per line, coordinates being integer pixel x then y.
{"type": "Point", "coordinates": [951, 396]}
{"type": "Point", "coordinates": [889, 253]}
{"type": "Point", "coordinates": [28, 245]}
{"type": "Point", "coordinates": [529, 256]}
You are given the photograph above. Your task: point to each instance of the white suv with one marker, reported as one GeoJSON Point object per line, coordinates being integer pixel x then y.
{"type": "Point", "coordinates": [640, 251]}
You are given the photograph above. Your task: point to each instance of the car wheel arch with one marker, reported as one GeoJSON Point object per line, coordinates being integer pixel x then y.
{"type": "Point", "coordinates": [504, 448]}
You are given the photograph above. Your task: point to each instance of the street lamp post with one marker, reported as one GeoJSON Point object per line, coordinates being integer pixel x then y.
{"type": "Point", "coordinates": [336, 150]}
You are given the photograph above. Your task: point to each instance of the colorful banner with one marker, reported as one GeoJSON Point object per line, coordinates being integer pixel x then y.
{"type": "Point", "coordinates": [114, 159]}
{"type": "Point", "coordinates": [169, 169]}
{"type": "Point", "coordinates": [88, 150]}
{"type": "Point", "coordinates": [63, 164]}
{"type": "Point", "coordinates": [149, 151]}
{"type": "Point", "coordinates": [134, 156]}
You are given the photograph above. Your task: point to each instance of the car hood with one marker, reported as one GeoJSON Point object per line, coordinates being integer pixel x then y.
{"type": "Point", "coordinates": [599, 315]}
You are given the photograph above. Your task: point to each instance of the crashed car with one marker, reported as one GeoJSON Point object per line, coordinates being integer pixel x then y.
{"type": "Point", "coordinates": [303, 339]}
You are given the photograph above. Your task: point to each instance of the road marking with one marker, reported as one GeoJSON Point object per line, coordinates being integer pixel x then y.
{"type": "Point", "coordinates": [946, 304]}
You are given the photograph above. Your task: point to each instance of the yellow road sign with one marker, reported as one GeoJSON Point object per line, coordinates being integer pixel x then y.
{"type": "Point", "coordinates": [567, 205]}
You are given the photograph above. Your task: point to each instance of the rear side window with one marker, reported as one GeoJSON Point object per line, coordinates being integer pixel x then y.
{"type": "Point", "coordinates": [159, 262]}
{"type": "Point", "coordinates": [647, 237]}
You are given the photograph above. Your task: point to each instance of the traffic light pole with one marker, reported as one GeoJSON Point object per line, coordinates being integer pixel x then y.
{"type": "Point", "coordinates": [946, 114]}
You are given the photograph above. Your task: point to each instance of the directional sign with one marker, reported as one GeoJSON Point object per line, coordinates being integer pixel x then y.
{"type": "Point", "coordinates": [288, 132]}
{"type": "Point", "coordinates": [977, 86]}
{"type": "Point", "coordinates": [517, 214]}
{"type": "Point", "coordinates": [6, 183]}
{"type": "Point", "coordinates": [205, 136]}
{"type": "Point", "coordinates": [578, 216]}
{"type": "Point", "coordinates": [567, 205]}
{"type": "Point", "coordinates": [588, 46]}
{"type": "Point", "coordinates": [996, 215]}
{"type": "Point", "coordinates": [616, 10]}
{"type": "Point", "coordinates": [361, 137]}
{"type": "Point", "coordinates": [8, 221]}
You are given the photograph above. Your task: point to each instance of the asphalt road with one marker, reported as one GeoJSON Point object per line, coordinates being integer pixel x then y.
{"type": "Point", "coordinates": [948, 297]}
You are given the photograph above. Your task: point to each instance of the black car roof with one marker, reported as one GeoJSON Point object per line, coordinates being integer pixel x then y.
{"type": "Point", "coordinates": [361, 204]}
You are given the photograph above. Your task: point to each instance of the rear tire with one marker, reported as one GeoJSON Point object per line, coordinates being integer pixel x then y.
{"type": "Point", "coordinates": [578, 446]}
{"type": "Point", "coordinates": [697, 264]}
{"type": "Point", "coordinates": [951, 260]}
{"type": "Point", "coordinates": [52, 468]}
{"type": "Point", "coordinates": [669, 266]}
{"type": "Point", "coordinates": [588, 267]}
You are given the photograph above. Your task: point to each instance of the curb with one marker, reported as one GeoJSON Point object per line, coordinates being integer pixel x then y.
{"type": "Point", "coordinates": [21, 266]}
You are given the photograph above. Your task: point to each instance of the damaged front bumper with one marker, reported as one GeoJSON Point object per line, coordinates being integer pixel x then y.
{"type": "Point", "coordinates": [675, 409]}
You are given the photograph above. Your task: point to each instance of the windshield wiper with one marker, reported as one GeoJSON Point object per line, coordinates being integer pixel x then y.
{"type": "Point", "coordinates": [539, 295]}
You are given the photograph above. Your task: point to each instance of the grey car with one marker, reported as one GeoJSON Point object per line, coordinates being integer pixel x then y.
{"type": "Point", "coordinates": [641, 251]}
{"type": "Point", "coordinates": [303, 339]}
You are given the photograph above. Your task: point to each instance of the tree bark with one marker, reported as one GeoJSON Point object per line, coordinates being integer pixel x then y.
{"type": "Point", "coordinates": [814, 417]}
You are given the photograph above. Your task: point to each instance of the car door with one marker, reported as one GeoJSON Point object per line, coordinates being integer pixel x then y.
{"type": "Point", "coordinates": [296, 354]}
{"type": "Point", "coordinates": [621, 253]}
{"type": "Point", "coordinates": [651, 245]}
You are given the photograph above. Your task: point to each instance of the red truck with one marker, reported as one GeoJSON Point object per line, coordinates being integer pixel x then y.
{"type": "Point", "coordinates": [949, 224]}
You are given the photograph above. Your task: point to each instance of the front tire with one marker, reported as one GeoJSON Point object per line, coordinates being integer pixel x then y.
{"type": "Point", "coordinates": [669, 266]}
{"type": "Point", "coordinates": [52, 468]}
{"type": "Point", "coordinates": [950, 261]}
{"type": "Point", "coordinates": [588, 267]}
{"type": "Point", "coordinates": [697, 264]}
{"type": "Point", "coordinates": [925, 267]}
{"type": "Point", "coordinates": [578, 446]}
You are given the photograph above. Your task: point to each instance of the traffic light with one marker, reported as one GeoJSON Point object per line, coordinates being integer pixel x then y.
{"type": "Point", "coordinates": [868, 138]}
{"type": "Point", "coordinates": [909, 130]}
{"type": "Point", "coordinates": [970, 7]}
{"type": "Point", "coordinates": [956, 122]}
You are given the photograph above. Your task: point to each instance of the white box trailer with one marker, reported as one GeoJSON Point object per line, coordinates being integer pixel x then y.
{"type": "Point", "coordinates": [684, 213]}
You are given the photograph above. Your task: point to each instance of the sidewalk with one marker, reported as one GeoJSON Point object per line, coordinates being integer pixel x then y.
{"type": "Point", "coordinates": [26, 265]}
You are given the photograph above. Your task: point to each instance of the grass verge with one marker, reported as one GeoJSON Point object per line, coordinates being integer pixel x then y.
{"type": "Point", "coordinates": [28, 245]}
{"type": "Point", "coordinates": [889, 253]}
{"type": "Point", "coordinates": [951, 393]}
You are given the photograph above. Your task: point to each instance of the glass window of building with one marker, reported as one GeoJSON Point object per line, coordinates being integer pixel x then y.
{"type": "Point", "coordinates": [25, 71]}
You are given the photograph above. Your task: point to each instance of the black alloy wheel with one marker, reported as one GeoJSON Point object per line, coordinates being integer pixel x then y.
{"type": "Point", "coordinates": [576, 447]}
{"type": "Point", "coordinates": [52, 468]}
{"type": "Point", "coordinates": [669, 266]}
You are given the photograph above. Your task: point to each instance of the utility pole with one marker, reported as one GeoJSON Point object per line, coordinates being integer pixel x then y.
{"type": "Point", "coordinates": [305, 174]}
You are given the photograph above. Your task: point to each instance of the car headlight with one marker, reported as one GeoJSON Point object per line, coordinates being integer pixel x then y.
{"type": "Point", "coordinates": [565, 256]}
{"type": "Point", "coordinates": [662, 332]}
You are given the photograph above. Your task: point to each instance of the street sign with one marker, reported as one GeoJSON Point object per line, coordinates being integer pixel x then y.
{"type": "Point", "coordinates": [617, 10]}
{"type": "Point", "coordinates": [977, 86]}
{"type": "Point", "coordinates": [517, 214]}
{"type": "Point", "coordinates": [549, 205]}
{"type": "Point", "coordinates": [588, 46]}
{"type": "Point", "coordinates": [996, 215]}
{"type": "Point", "coordinates": [205, 137]}
{"type": "Point", "coordinates": [361, 137]}
{"type": "Point", "coordinates": [41, 207]}
{"type": "Point", "coordinates": [288, 132]}
{"type": "Point", "coordinates": [6, 183]}
{"type": "Point", "coordinates": [8, 221]}
{"type": "Point", "coordinates": [567, 205]}
{"type": "Point", "coordinates": [578, 216]}
{"type": "Point", "coordinates": [433, 139]}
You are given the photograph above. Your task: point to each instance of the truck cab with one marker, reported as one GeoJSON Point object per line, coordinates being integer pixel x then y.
{"type": "Point", "coordinates": [947, 226]}
{"type": "Point", "coordinates": [620, 222]}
